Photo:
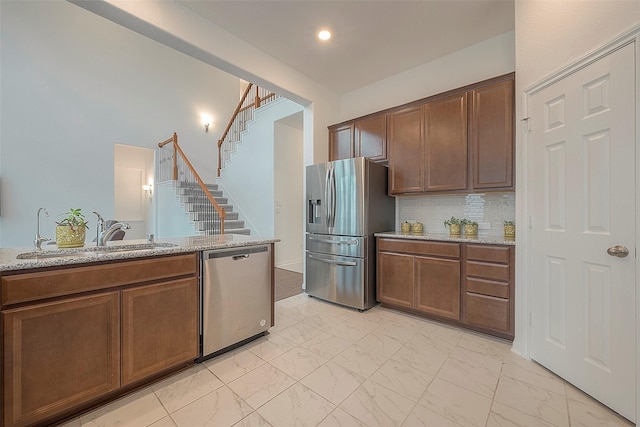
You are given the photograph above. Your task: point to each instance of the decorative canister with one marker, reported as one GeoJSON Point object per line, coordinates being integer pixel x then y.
{"type": "Point", "coordinates": [405, 228]}
{"type": "Point", "coordinates": [509, 230]}
{"type": "Point", "coordinates": [454, 229]}
{"type": "Point", "coordinates": [471, 229]}
{"type": "Point", "coordinates": [68, 236]}
{"type": "Point", "coordinates": [417, 228]}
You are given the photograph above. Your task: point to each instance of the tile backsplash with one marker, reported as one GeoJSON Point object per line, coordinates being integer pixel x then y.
{"type": "Point", "coordinates": [488, 209]}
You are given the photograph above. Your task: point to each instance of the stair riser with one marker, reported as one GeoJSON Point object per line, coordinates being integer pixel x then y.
{"type": "Point", "coordinates": [181, 184]}
{"type": "Point", "coordinates": [197, 192]}
{"type": "Point", "coordinates": [228, 225]}
{"type": "Point", "coordinates": [194, 208]}
{"type": "Point", "coordinates": [203, 199]}
{"type": "Point", "coordinates": [198, 216]}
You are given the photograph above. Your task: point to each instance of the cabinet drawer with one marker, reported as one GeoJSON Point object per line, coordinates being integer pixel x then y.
{"type": "Point", "coordinates": [488, 253]}
{"type": "Point", "coordinates": [487, 312]}
{"type": "Point", "coordinates": [420, 247]}
{"type": "Point", "coordinates": [487, 287]}
{"type": "Point", "coordinates": [487, 270]}
{"type": "Point", "coordinates": [43, 284]}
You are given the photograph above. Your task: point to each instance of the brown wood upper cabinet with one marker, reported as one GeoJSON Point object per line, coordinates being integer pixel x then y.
{"type": "Point", "coordinates": [365, 137]}
{"type": "Point", "coordinates": [341, 142]}
{"type": "Point", "coordinates": [445, 140]}
{"type": "Point", "coordinates": [491, 136]}
{"type": "Point", "coordinates": [406, 130]}
{"type": "Point", "coordinates": [466, 143]}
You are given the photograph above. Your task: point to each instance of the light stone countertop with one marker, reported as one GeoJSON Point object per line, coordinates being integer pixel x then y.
{"type": "Point", "coordinates": [489, 239]}
{"type": "Point", "coordinates": [88, 254]}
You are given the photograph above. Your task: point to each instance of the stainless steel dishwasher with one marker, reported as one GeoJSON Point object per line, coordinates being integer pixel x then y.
{"type": "Point", "coordinates": [236, 296]}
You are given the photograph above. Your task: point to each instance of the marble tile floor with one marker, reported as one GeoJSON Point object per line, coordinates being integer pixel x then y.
{"type": "Point", "coordinates": [325, 365]}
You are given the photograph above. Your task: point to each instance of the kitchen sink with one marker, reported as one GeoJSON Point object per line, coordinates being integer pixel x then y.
{"type": "Point", "coordinates": [93, 250]}
{"type": "Point", "coordinates": [56, 253]}
{"type": "Point", "coordinates": [129, 248]}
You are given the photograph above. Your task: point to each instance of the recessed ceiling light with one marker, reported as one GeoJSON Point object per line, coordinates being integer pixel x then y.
{"type": "Point", "coordinates": [324, 35]}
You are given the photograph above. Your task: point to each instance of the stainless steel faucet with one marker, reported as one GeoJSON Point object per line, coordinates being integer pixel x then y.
{"type": "Point", "coordinates": [37, 241]}
{"type": "Point", "coordinates": [103, 234]}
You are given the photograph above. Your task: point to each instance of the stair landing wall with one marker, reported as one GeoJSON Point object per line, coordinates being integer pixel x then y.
{"type": "Point", "coordinates": [247, 179]}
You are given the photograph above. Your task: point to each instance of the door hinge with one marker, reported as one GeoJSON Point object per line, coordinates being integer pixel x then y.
{"type": "Point", "coordinates": [526, 122]}
{"type": "Point", "coordinates": [530, 318]}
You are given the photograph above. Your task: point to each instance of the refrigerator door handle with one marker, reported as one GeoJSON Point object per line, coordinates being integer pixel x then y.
{"type": "Point", "coordinates": [334, 242]}
{"type": "Point", "coordinates": [327, 197]}
{"type": "Point", "coordinates": [332, 261]}
{"type": "Point", "coordinates": [333, 197]}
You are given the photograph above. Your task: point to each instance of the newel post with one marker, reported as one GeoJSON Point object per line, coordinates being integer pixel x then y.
{"type": "Point", "coordinates": [257, 97]}
{"type": "Point", "coordinates": [175, 156]}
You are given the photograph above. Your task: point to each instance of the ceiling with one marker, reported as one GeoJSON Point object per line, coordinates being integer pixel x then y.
{"type": "Point", "coordinates": [372, 40]}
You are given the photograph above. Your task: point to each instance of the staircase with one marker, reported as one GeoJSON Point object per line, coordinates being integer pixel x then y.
{"type": "Point", "coordinates": [190, 195]}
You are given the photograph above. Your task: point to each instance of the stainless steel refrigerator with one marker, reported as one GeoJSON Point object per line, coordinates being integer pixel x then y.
{"type": "Point", "coordinates": [347, 202]}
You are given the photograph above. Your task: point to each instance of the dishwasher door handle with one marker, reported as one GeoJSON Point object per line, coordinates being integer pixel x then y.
{"type": "Point", "coordinates": [333, 261]}
{"type": "Point", "coordinates": [239, 257]}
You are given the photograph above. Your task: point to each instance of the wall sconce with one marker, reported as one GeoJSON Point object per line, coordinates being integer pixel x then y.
{"type": "Point", "coordinates": [206, 121]}
{"type": "Point", "coordinates": [148, 188]}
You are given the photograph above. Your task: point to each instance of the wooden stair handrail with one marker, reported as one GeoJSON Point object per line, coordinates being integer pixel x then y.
{"type": "Point", "coordinates": [233, 117]}
{"type": "Point", "coordinates": [257, 102]}
{"type": "Point", "coordinates": [177, 150]}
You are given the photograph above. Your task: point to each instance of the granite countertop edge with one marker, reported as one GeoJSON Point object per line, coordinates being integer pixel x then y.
{"type": "Point", "coordinates": [480, 238]}
{"type": "Point", "coordinates": [9, 262]}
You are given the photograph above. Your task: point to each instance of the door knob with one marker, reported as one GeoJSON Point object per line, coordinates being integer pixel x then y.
{"type": "Point", "coordinates": [618, 251]}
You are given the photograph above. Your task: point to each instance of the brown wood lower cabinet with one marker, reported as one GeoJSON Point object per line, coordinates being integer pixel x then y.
{"type": "Point", "coordinates": [438, 286]}
{"type": "Point", "coordinates": [59, 354]}
{"type": "Point", "coordinates": [467, 284]}
{"type": "Point", "coordinates": [62, 348]}
{"type": "Point", "coordinates": [159, 328]}
{"type": "Point", "coordinates": [488, 297]}
{"type": "Point", "coordinates": [421, 277]}
{"type": "Point", "coordinates": [395, 271]}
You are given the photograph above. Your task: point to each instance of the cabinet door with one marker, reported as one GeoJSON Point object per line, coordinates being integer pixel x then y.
{"type": "Point", "coordinates": [341, 142]}
{"type": "Point", "coordinates": [395, 279]}
{"type": "Point", "coordinates": [406, 156]}
{"type": "Point", "coordinates": [159, 328]}
{"type": "Point", "coordinates": [492, 136]}
{"type": "Point", "coordinates": [58, 355]}
{"type": "Point", "coordinates": [446, 144]}
{"type": "Point", "coordinates": [438, 286]}
{"type": "Point", "coordinates": [371, 138]}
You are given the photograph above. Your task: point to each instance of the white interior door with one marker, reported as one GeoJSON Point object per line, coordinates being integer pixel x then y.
{"type": "Point", "coordinates": [582, 149]}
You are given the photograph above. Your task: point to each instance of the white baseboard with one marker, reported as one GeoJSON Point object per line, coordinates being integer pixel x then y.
{"type": "Point", "coordinates": [292, 266]}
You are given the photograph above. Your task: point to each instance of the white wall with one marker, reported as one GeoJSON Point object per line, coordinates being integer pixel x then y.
{"type": "Point", "coordinates": [174, 25]}
{"type": "Point", "coordinates": [549, 36]}
{"type": "Point", "coordinates": [73, 84]}
{"type": "Point", "coordinates": [289, 196]}
{"type": "Point", "coordinates": [174, 221]}
{"type": "Point", "coordinates": [248, 178]}
{"type": "Point", "coordinates": [481, 61]}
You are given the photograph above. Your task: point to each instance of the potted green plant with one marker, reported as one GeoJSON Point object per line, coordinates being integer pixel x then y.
{"type": "Point", "coordinates": [454, 225]}
{"type": "Point", "coordinates": [510, 229]}
{"type": "Point", "coordinates": [470, 227]}
{"type": "Point", "coordinates": [71, 230]}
